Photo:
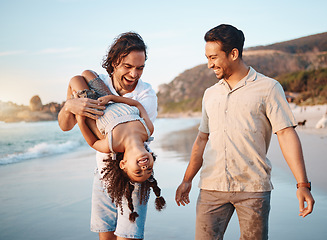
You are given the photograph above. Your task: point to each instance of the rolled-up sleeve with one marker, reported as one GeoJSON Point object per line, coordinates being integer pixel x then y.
{"type": "Point", "coordinates": [204, 127]}
{"type": "Point", "coordinates": [278, 110]}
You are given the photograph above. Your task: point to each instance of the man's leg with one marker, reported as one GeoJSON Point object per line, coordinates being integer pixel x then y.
{"type": "Point", "coordinates": [253, 213]}
{"type": "Point", "coordinates": [213, 213]}
{"type": "Point", "coordinates": [112, 236]}
{"type": "Point", "coordinates": [107, 236]}
{"type": "Point", "coordinates": [103, 212]}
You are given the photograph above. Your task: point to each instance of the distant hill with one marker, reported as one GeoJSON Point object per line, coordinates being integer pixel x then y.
{"type": "Point", "coordinates": [185, 91]}
{"type": "Point", "coordinates": [301, 56]}
{"type": "Point", "coordinates": [306, 53]}
{"type": "Point", "coordinates": [311, 85]}
{"type": "Point", "coordinates": [312, 43]}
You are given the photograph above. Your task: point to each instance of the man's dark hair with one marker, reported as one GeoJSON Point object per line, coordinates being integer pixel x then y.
{"type": "Point", "coordinates": [121, 47]}
{"type": "Point", "coordinates": [229, 37]}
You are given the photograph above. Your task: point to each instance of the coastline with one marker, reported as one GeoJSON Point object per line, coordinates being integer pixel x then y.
{"type": "Point", "coordinates": [180, 115]}
{"type": "Point", "coordinates": [50, 198]}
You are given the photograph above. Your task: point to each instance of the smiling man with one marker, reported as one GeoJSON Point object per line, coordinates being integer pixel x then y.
{"type": "Point", "coordinates": [124, 64]}
{"type": "Point", "coordinates": [239, 115]}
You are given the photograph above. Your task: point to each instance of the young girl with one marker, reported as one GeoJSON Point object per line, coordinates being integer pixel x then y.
{"type": "Point", "coordinates": [122, 132]}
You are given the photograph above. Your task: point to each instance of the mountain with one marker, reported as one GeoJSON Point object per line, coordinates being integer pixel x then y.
{"type": "Point", "coordinates": [300, 57]}
{"type": "Point", "coordinates": [184, 93]}
{"type": "Point", "coordinates": [312, 43]}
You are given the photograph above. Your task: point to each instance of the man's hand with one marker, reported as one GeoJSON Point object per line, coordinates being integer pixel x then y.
{"type": "Point", "coordinates": [303, 194]}
{"type": "Point", "coordinates": [182, 193]}
{"type": "Point", "coordinates": [84, 107]}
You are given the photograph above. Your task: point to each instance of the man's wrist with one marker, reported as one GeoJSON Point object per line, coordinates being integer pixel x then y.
{"type": "Point", "coordinates": [304, 184]}
{"type": "Point", "coordinates": [187, 180]}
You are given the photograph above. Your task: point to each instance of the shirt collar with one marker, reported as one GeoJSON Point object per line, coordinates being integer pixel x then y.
{"type": "Point", "coordinates": [130, 94]}
{"type": "Point", "coordinates": [250, 77]}
{"type": "Point", "coordinates": [136, 90]}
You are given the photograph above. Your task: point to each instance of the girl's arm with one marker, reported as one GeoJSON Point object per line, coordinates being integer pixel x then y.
{"type": "Point", "coordinates": [100, 145]}
{"type": "Point", "coordinates": [143, 114]}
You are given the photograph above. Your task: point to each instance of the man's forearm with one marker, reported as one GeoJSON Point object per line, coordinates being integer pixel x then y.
{"type": "Point", "coordinates": [292, 151]}
{"type": "Point", "coordinates": [196, 157]}
{"type": "Point", "coordinates": [66, 119]}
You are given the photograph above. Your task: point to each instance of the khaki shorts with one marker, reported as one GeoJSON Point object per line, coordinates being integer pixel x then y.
{"type": "Point", "coordinates": [215, 209]}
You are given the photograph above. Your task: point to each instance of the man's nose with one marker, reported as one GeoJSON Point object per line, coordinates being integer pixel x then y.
{"type": "Point", "coordinates": [210, 64]}
{"type": "Point", "coordinates": [144, 167]}
{"type": "Point", "coordinates": [133, 73]}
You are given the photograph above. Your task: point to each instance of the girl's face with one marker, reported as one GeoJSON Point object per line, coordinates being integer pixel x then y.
{"type": "Point", "coordinates": [138, 168]}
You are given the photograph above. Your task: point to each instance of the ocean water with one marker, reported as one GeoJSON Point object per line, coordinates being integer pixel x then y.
{"type": "Point", "coordinates": [24, 141]}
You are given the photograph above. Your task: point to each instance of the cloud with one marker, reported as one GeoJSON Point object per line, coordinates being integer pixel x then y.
{"type": "Point", "coordinates": [10, 53]}
{"type": "Point", "coordinates": [57, 50]}
{"type": "Point", "coordinates": [40, 52]}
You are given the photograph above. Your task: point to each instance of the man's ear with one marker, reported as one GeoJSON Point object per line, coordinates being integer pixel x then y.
{"type": "Point", "coordinates": [122, 164]}
{"type": "Point", "coordinates": [234, 54]}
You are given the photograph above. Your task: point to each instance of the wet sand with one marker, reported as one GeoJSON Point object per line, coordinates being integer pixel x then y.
{"type": "Point", "coordinates": [51, 198]}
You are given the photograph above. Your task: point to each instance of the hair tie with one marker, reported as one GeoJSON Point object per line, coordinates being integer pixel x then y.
{"type": "Point", "coordinates": [113, 155]}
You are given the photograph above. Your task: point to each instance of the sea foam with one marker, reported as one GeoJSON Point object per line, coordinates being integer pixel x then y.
{"type": "Point", "coordinates": [40, 150]}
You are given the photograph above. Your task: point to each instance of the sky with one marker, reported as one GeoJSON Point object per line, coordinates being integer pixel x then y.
{"type": "Point", "coordinates": [43, 43]}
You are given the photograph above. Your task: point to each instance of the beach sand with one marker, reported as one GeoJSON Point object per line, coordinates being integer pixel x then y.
{"type": "Point", "coordinates": [314, 144]}
{"type": "Point", "coordinates": [47, 198]}
{"type": "Point", "coordinates": [51, 198]}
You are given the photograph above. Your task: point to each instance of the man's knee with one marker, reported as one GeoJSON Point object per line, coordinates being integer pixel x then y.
{"type": "Point", "coordinates": [107, 236]}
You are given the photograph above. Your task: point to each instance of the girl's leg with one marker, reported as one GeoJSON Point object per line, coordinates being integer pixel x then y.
{"type": "Point", "coordinates": [95, 83]}
{"type": "Point", "coordinates": [75, 84]}
{"type": "Point", "coordinates": [78, 83]}
{"type": "Point", "coordinates": [89, 75]}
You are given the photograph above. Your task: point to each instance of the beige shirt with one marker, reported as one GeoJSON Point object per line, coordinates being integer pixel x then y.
{"type": "Point", "coordinates": [240, 122]}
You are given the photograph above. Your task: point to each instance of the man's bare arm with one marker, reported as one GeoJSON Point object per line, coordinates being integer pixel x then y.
{"type": "Point", "coordinates": [78, 106]}
{"type": "Point", "coordinates": [292, 151]}
{"type": "Point", "coordinates": [182, 192]}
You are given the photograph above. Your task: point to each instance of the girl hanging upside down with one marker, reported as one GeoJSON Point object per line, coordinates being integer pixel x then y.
{"type": "Point", "coordinates": [121, 132]}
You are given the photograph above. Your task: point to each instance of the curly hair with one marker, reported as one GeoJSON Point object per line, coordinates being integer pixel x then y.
{"type": "Point", "coordinates": [120, 48]}
{"type": "Point", "coordinates": [118, 185]}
